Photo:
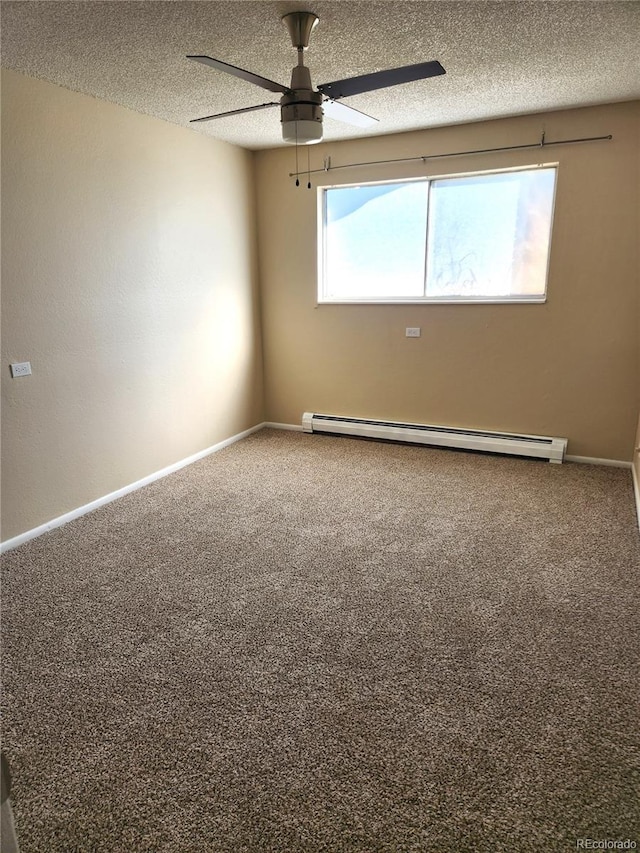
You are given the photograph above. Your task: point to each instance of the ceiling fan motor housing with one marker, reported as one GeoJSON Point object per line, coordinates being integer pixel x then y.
{"type": "Point", "coordinates": [301, 110]}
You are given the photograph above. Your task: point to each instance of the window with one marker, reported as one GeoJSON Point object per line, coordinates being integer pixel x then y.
{"type": "Point", "coordinates": [470, 238]}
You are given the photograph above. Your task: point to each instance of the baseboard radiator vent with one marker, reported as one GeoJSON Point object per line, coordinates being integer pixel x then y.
{"type": "Point", "coordinates": [535, 446]}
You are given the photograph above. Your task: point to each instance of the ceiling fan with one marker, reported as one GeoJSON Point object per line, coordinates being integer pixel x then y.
{"type": "Point", "coordinates": [301, 106]}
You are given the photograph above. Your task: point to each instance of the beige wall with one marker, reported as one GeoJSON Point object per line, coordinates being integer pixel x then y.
{"type": "Point", "coordinates": [636, 461]}
{"type": "Point", "coordinates": [129, 281]}
{"type": "Point", "coordinates": [636, 454]}
{"type": "Point", "coordinates": [569, 367]}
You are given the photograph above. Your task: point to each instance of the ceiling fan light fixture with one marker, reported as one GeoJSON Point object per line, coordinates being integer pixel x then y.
{"type": "Point", "coordinates": [301, 116]}
{"type": "Point", "coordinates": [302, 132]}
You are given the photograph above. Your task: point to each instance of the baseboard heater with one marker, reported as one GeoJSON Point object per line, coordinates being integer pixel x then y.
{"type": "Point", "coordinates": [535, 446]}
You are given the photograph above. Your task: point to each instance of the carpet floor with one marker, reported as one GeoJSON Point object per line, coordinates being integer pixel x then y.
{"type": "Point", "coordinates": [307, 644]}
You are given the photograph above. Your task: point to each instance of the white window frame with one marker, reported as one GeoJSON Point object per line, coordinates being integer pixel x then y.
{"type": "Point", "coordinates": [513, 299]}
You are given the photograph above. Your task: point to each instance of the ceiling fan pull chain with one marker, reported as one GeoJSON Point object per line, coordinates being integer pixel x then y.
{"type": "Point", "coordinates": [308, 169]}
{"type": "Point", "coordinates": [297, 172]}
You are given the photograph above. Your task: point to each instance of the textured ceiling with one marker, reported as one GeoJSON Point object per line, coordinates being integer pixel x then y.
{"type": "Point", "coordinates": [501, 58]}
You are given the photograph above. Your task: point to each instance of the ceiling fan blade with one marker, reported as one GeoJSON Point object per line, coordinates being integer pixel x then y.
{"type": "Point", "coordinates": [381, 79]}
{"type": "Point", "coordinates": [341, 112]}
{"type": "Point", "coordinates": [234, 112]}
{"type": "Point", "coordinates": [240, 72]}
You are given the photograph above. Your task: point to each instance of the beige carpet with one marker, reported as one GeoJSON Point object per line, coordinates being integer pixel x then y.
{"type": "Point", "coordinates": [306, 644]}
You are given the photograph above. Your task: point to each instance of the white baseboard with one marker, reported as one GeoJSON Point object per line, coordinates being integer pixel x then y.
{"type": "Point", "coordinates": [273, 425]}
{"type": "Point", "coordinates": [125, 490]}
{"type": "Point", "coordinates": [636, 491]}
{"type": "Point", "coordinates": [591, 460]}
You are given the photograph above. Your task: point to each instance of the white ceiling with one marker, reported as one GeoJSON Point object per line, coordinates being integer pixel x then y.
{"type": "Point", "coordinates": [501, 58]}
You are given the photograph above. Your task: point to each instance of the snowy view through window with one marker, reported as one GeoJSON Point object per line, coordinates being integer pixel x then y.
{"type": "Point", "coordinates": [478, 237]}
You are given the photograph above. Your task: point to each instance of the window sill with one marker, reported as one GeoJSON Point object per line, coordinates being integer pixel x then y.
{"type": "Point", "coordinates": [530, 300]}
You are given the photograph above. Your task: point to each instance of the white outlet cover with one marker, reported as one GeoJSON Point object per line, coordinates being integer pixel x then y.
{"type": "Point", "coordinates": [21, 368]}
{"type": "Point", "coordinates": [412, 332]}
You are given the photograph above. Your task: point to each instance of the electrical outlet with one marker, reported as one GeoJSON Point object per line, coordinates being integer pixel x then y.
{"type": "Point", "coordinates": [22, 368]}
{"type": "Point", "coordinates": [412, 332]}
